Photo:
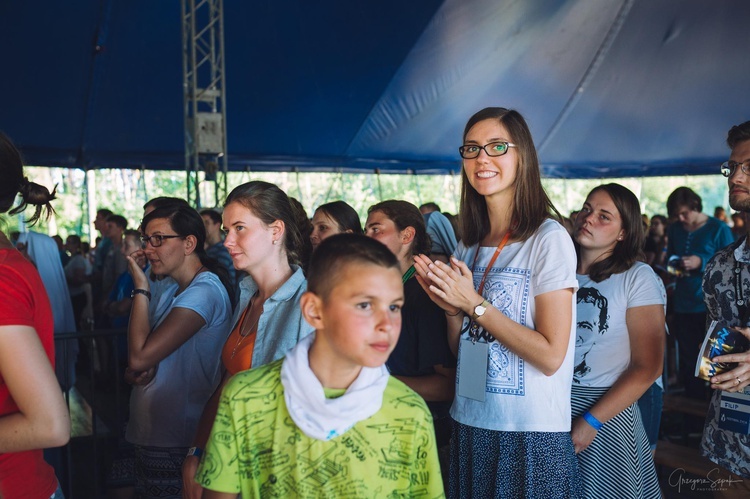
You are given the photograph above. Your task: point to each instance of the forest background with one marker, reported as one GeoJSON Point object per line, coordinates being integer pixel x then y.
{"type": "Point", "coordinates": [124, 192]}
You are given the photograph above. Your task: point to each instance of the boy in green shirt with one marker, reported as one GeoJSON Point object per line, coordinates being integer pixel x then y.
{"type": "Point", "coordinates": [328, 420]}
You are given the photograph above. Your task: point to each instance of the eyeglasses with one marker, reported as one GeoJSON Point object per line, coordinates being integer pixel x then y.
{"type": "Point", "coordinates": [729, 167]}
{"type": "Point", "coordinates": [492, 149]}
{"type": "Point", "coordinates": [155, 240]}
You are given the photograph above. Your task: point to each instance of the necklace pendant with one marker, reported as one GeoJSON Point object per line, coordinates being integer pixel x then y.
{"type": "Point", "coordinates": [239, 341]}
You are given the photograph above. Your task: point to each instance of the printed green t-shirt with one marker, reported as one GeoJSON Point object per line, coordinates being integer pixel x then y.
{"type": "Point", "coordinates": [256, 449]}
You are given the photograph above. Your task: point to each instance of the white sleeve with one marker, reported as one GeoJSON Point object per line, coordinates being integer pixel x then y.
{"type": "Point", "coordinates": [554, 260]}
{"type": "Point", "coordinates": [644, 287]}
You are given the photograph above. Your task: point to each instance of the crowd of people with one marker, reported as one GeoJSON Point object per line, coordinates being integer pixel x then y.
{"type": "Point", "coordinates": [508, 352]}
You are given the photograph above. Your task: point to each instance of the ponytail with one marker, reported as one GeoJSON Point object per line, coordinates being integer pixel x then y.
{"type": "Point", "coordinates": [14, 182]}
{"type": "Point", "coordinates": [37, 195]}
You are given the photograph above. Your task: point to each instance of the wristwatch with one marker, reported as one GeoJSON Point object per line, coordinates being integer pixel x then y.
{"type": "Point", "coordinates": [480, 309]}
{"type": "Point", "coordinates": [194, 451]}
{"type": "Point", "coordinates": [143, 292]}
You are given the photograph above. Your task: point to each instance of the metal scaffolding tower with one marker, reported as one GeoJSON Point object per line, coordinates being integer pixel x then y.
{"type": "Point", "coordinates": [205, 97]}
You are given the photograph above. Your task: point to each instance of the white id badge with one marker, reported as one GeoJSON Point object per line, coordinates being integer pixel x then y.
{"type": "Point", "coordinates": [473, 369]}
{"type": "Point", "coordinates": [734, 412]}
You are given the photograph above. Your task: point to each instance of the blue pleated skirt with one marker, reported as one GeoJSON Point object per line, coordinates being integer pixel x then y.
{"type": "Point", "coordinates": [502, 464]}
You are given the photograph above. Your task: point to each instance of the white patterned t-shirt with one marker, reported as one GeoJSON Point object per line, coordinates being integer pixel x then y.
{"type": "Point", "coordinates": [518, 396]}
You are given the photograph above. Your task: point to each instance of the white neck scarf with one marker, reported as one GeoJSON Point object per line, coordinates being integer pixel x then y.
{"type": "Point", "coordinates": [321, 418]}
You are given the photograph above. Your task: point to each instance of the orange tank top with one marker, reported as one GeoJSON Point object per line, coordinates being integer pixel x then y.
{"type": "Point", "coordinates": [237, 354]}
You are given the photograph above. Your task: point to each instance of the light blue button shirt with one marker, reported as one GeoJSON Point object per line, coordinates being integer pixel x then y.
{"type": "Point", "coordinates": [281, 324]}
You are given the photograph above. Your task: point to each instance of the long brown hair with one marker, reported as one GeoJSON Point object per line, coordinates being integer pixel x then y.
{"type": "Point", "coordinates": [630, 249]}
{"type": "Point", "coordinates": [531, 205]}
{"type": "Point", "coordinates": [269, 203]}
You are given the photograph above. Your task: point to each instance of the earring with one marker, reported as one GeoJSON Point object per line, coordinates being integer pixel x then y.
{"type": "Point", "coordinates": [275, 241]}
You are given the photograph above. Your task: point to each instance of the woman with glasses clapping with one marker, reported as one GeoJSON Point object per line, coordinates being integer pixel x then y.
{"type": "Point", "coordinates": [182, 343]}
{"type": "Point", "coordinates": [508, 297]}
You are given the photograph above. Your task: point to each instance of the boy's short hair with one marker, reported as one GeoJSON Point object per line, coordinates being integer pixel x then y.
{"type": "Point", "coordinates": [132, 233]}
{"type": "Point", "coordinates": [429, 206]}
{"type": "Point", "coordinates": [119, 221]}
{"type": "Point", "coordinates": [336, 252]}
{"type": "Point", "coordinates": [214, 215]}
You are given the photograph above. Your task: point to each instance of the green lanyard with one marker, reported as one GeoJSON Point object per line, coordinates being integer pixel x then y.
{"type": "Point", "coordinates": [407, 275]}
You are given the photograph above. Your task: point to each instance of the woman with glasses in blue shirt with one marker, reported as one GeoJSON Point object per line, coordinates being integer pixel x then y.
{"type": "Point", "coordinates": [182, 343]}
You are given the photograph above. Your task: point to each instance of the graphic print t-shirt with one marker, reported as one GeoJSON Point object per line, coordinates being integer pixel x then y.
{"type": "Point", "coordinates": [602, 341]}
{"type": "Point", "coordinates": [256, 449]}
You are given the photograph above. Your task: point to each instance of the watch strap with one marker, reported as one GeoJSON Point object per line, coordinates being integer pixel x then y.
{"type": "Point", "coordinates": [475, 315]}
{"type": "Point", "coordinates": [143, 292]}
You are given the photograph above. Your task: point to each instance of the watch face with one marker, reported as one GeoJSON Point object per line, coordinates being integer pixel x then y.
{"type": "Point", "coordinates": [480, 310]}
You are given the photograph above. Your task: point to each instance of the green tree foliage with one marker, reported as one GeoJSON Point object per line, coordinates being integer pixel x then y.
{"type": "Point", "coordinates": [125, 192]}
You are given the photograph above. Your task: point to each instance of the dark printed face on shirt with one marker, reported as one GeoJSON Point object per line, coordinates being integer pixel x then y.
{"type": "Point", "coordinates": [593, 314]}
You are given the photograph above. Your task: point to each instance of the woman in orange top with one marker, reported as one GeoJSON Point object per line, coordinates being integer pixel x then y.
{"type": "Point", "coordinates": [262, 239]}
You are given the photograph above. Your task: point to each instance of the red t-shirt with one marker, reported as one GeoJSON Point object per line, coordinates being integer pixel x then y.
{"type": "Point", "coordinates": [23, 301]}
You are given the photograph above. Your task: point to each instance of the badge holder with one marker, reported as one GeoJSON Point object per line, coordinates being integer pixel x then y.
{"type": "Point", "coordinates": [473, 358]}
{"type": "Point", "coordinates": [734, 412]}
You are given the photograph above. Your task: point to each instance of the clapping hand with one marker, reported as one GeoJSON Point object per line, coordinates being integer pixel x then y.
{"type": "Point", "coordinates": [451, 287]}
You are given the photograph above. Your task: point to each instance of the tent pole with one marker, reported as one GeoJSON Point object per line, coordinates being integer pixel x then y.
{"type": "Point", "coordinates": [416, 185]}
{"type": "Point", "coordinates": [330, 188]}
{"type": "Point", "coordinates": [456, 190]}
{"type": "Point", "coordinates": [84, 205]}
{"type": "Point", "coordinates": [90, 181]}
{"type": "Point", "coordinates": [299, 186]}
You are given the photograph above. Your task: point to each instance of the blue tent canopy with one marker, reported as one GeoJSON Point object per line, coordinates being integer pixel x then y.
{"type": "Point", "coordinates": [609, 87]}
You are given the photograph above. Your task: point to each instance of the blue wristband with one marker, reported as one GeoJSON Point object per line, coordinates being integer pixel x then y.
{"type": "Point", "coordinates": [595, 423]}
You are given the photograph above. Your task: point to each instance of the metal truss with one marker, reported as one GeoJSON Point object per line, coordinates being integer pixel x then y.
{"type": "Point", "coordinates": [204, 98]}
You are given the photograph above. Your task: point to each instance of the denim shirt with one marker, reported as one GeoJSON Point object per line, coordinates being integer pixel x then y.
{"type": "Point", "coordinates": [281, 324]}
{"type": "Point", "coordinates": [704, 243]}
